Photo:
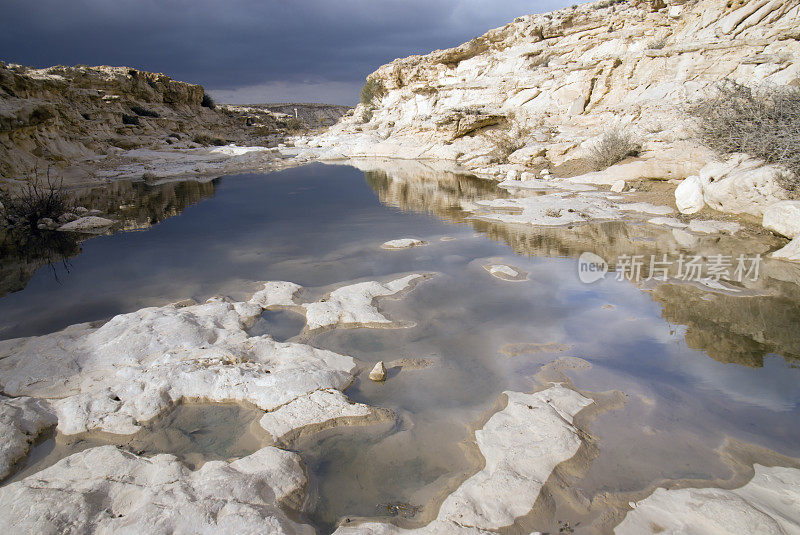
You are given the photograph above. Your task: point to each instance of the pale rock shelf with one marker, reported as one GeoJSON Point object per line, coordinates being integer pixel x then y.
{"type": "Point", "coordinates": [21, 421]}
{"type": "Point", "coordinates": [769, 504]}
{"type": "Point", "coordinates": [106, 490]}
{"type": "Point", "coordinates": [522, 444]}
{"type": "Point", "coordinates": [138, 365]}
{"type": "Point", "coordinates": [352, 305]}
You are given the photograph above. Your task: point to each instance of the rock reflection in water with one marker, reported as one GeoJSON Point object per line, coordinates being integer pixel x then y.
{"type": "Point", "coordinates": [135, 205]}
{"type": "Point", "coordinates": [739, 329]}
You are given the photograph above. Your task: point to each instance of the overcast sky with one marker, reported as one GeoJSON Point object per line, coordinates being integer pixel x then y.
{"type": "Point", "coordinates": [249, 51]}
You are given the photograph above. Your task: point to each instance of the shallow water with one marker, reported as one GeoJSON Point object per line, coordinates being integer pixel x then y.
{"type": "Point", "coordinates": [695, 366]}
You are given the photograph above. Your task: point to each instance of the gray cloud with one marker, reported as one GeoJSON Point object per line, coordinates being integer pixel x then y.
{"type": "Point", "coordinates": [265, 50]}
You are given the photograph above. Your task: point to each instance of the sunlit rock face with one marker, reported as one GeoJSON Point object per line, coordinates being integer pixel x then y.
{"type": "Point", "coordinates": [566, 77]}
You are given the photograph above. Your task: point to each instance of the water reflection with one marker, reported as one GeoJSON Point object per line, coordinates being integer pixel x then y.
{"type": "Point", "coordinates": [319, 226]}
{"type": "Point", "coordinates": [135, 205]}
{"type": "Point", "coordinates": [739, 329]}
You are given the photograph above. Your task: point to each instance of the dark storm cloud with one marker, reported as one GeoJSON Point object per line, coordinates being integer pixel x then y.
{"type": "Point", "coordinates": [243, 49]}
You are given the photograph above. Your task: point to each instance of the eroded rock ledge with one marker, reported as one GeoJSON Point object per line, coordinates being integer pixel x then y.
{"type": "Point", "coordinates": [138, 365]}
{"type": "Point", "coordinates": [114, 122]}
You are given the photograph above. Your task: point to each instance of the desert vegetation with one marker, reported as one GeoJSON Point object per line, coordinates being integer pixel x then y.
{"type": "Point", "coordinates": [39, 199]}
{"type": "Point", "coordinates": [506, 142]}
{"type": "Point", "coordinates": [613, 147]}
{"type": "Point", "coordinates": [373, 89]}
{"type": "Point", "coordinates": [763, 122]}
{"type": "Point", "coordinates": [208, 102]}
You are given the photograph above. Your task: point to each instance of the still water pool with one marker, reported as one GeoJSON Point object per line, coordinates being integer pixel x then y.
{"type": "Point", "coordinates": [696, 370]}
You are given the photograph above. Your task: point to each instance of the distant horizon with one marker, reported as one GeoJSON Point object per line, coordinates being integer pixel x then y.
{"type": "Point", "coordinates": [249, 51]}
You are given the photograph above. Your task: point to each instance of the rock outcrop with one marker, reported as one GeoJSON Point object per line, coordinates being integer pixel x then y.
{"type": "Point", "coordinates": [70, 117]}
{"type": "Point", "coordinates": [21, 421]}
{"type": "Point", "coordinates": [566, 77]}
{"type": "Point", "coordinates": [541, 94]}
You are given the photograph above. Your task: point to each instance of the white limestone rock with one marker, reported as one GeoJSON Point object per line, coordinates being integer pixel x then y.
{"type": "Point", "coordinates": [742, 185]}
{"type": "Point", "coordinates": [702, 226]}
{"type": "Point", "coordinates": [618, 186]}
{"type": "Point", "coordinates": [790, 252]}
{"type": "Point", "coordinates": [378, 373]}
{"type": "Point", "coordinates": [553, 209]}
{"type": "Point", "coordinates": [275, 293]}
{"type": "Point", "coordinates": [685, 239]}
{"type": "Point", "coordinates": [137, 365]}
{"type": "Point", "coordinates": [87, 224]}
{"type": "Point", "coordinates": [319, 409]}
{"type": "Point", "coordinates": [689, 195]}
{"type": "Point", "coordinates": [768, 504]}
{"type": "Point", "coordinates": [530, 182]}
{"type": "Point", "coordinates": [105, 490]}
{"type": "Point", "coordinates": [21, 421]}
{"type": "Point", "coordinates": [522, 444]}
{"type": "Point", "coordinates": [646, 208]}
{"type": "Point", "coordinates": [526, 155]}
{"type": "Point", "coordinates": [667, 222]}
{"type": "Point", "coordinates": [784, 218]}
{"type": "Point", "coordinates": [403, 243]}
{"type": "Point", "coordinates": [352, 305]}
{"type": "Point", "coordinates": [506, 272]}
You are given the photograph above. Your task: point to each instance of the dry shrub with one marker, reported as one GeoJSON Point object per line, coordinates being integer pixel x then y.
{"type": "Point", "coordinates": [763, 122]}
{"type": "Point", "coordinates": [613, 147]}
{"type": "Point", "coordinates": [508, 141]}
{"type": "Point", "coordinates": [38, 199]}
{"type": "Point", "coordinates": [208, 102]}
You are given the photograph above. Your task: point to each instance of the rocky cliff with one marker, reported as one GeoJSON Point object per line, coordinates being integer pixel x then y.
{"type": "Point", "coordinates": [69, 117]}
{"type": "Point", "coordinates": [559, 80]}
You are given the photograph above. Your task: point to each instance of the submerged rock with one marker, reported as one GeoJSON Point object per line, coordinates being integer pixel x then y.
{"type": "Point", "coordinates": [702, 226]}
{"type": "Point", "coordinates": [506, 272]}
{"type": "Point", "coordinates": [404, 243]}
{"type": "Point", "coordinates": [522, 444]}
{"type": "Point", "coordinates": [320, 409]}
